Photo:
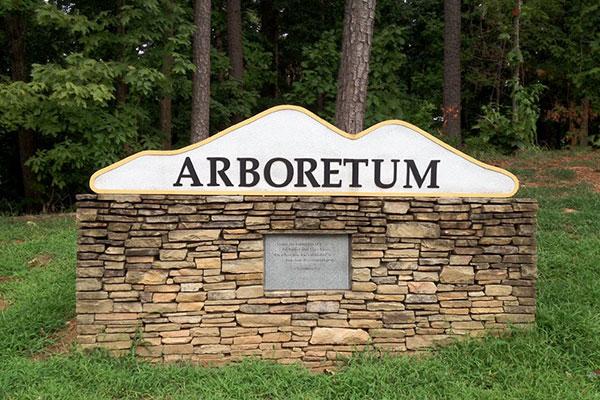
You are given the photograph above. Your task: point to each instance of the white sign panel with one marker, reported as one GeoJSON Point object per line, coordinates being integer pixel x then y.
{"type": "Point", "coordinates": [288, 150]}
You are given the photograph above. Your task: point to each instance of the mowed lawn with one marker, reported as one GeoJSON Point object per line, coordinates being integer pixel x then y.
{"type": "Point", "coordinates": [558, 359]}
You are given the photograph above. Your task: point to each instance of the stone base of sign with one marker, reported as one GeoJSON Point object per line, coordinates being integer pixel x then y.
{"type": "Point", "coordinates": [181, 277]}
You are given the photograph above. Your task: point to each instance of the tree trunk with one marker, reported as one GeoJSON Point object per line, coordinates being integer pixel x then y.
{"type": "Point", "coordinates": [585, 121]}
{"type": "Point", "coordinates": [15, 27]}
{"type": "Point", "coordinates": [165, 105]}
{"type": "Point", "coordinates": [518, 58]}
{"type": "Point", "coordinates": [353, 77]}
{"type": "Point", "coordinates": [201, 78]}
{"type": "Point", "coordinates": [269, 27]}
{"type": "Point", "coordinates": [452, 108]}
{"type": "Point", "coordinates": [235, 50]}
{"type": "Point", "coordinates": [121, 86]}
{"type": "Point", "coordinates": [165, 116]}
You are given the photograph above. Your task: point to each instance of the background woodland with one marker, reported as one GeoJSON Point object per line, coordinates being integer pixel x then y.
{"type": "Point", "coordinates": [85, 83]}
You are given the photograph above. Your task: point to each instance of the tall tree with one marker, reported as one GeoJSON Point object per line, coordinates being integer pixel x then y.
{"type": "Point", "coordinates": [235, 50]}
{"type": "Point", "coordinates": [201, 78]}
{"type": "Point", "coordinates": [517, 57]}
{"type": "Point", "coordinates": [353, 76]}
{"type": "Point", "coordinates": [16, 31]}
{"type": "Point", "coordinates": [166, 101]}
{"type": "Point", "coordinates": [452, 107]}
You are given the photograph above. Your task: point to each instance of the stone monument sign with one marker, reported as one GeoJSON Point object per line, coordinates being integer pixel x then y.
{"type": "Point", "coordinates": [285, 238]}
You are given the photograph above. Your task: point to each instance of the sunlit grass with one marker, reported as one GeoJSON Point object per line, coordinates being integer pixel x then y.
{"type": "Point", "coordinates": [555, 360]}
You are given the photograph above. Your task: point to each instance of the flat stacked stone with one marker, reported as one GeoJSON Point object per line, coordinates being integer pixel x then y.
{"type": "Point", "coordinates": [181, 277]}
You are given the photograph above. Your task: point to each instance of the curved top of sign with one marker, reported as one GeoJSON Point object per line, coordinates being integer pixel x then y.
{"type": "Point", "coordinates": [288, 150]}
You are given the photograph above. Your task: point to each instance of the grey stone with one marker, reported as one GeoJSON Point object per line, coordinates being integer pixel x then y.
{"type": "Point", "coordinates": [307, 261]}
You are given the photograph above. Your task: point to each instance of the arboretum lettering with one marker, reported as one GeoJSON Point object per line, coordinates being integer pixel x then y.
{"type": "Point", "coordinates": [301, 173]}
{"type": "Point", "coordinates": [288, 150]}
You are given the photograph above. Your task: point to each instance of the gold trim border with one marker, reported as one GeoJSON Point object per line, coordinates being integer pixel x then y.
{"type": "Point", "coordinates": [285, 193]}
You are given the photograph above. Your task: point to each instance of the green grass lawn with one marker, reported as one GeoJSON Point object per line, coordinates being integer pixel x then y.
{"type": "Point", "coordinates": [555, 360]}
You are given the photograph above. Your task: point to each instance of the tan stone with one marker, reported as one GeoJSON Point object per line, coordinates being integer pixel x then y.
{"type": "Point", "coordinates": [249, 292]}
{"type": "Point", "coordinates": [256, 220]}
{"type": "Point", "coordinates": [421, 298]}
{"type": "Point", "coordinates": [208, 263]}
{"type": "Point", "coordinates": [143, 242]}
{"type": "Point", "coordinates": [422, 287]}
{"type": "Point", "coordinates": [255, 320]}
{"type": "Point", "coordinates": [250, 245]}
{"type": "Point", "coordinates": [178, 349]}
{"type": "Point", "coordinates": [277, 337]}
{"type": "Point", "coordinates": [190, 306]}
{"type": "Point", "coordinates": [467, 325]}
{"type": "Point", "coordinates": [456, 274]}
{"type": "Point", "coordinates": [491, 275]}
{"type": "Point", "coordinates": [392, 289]}
{"type": "Point", "coordinates": [339, 336]}
{"type": "Point", "coordinates": [361, 274]}
{"type": "Point", "coordinates": [173, 255]}
{"type": "Point", "coordinates": [323, 307]}
{"type": "Point", "coordinates": [83, 284]}
{"type": "Point", "coordinates": [398, 317]}
{"type": "Point", "coordinates": [194, 235]}
{"type": "Point", "coordinates": [413, 230]}
{"type": "Point", "coordinates": [86, 214]}
{"type": "Point", "coordinates": [387, 333]}
{"type": "Point", "coordinates": [396, 207]}
{"type": "Point", "coordinates": [147, 277]}
{"type": "Point", "coordinates": [422, 341]}
{"type": "Point", "coordinates": [498, 290]}
{"type": "Point", "coordinates": [94, 306]}
{"type": "Point", "coordinates": [364, 286]}
{"type": "Point", "coordinates": [248, 265]}
{"type": "Point", "coordinates": [163, 297]}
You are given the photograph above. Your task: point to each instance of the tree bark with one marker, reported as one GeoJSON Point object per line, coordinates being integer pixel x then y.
{"type": "Point", "coordinates": [15, 27]}
{"type": "Point", "coordinates": [269, 27]}
{"type": "Point", "coordinates": [353, 78]}
{"type": "Point", "coordinates": [165, 115]}
{"type": "Point", "coordinates": [452, 85]}
{"type": "Point", "coordinates": [235, 50]}
{"type": "Point", "coordinates": [585, 121]}
{"type": "Point", "coordinates": [165, 104]}
{"type": "Point", "coordinates": [121, 86]}
{"type": "Point", "coordinates": [201, 78]}
{"type": "Point", "coordinates": [518, 58]}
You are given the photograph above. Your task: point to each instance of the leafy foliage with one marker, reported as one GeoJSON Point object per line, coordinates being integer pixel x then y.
{"type": "Point", "coordinates": [510, 133]}
{"type": "Point", "coordinates": [95, 75]}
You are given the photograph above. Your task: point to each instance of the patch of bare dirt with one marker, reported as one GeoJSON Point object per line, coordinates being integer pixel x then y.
{"type": "Point", "coordinates": [585, 165]}
{"type": "Point", "coordinates": [63, 340]}
{"type": "Point", "coordinates": [3, 304]}
{"type": "Point", "coordinates": [589, 175]}
{"type": "Point", "coordinates": [41, 260]}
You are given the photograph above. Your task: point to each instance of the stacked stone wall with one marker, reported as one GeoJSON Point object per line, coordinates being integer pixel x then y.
{"type": "Point", "coordinates": [181, 277]}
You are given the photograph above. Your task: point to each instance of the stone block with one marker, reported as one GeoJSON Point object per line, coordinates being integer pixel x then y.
{"type": "Point", "coordinates": [194, 235]}
{"type": "Point", "coordinates": [147, 277]}
{"type": "Point", "coordinates": [322, 307]}
{"type": "Point", "coordinates": [243, 266]}
{"type": "Point", "coordinates": [457, 274]}
{"type": "Point", "coordinates": [257, 320]}
{"type": "Point", "coordinates": [396, 207]}
{"type": "Point", "coordinates": [413, 230]}
{"type": "Point", "coordinates": [339, 336]}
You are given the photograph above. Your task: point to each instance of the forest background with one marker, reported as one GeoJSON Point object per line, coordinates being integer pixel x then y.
{"type": "Point", "coordinates": [85, 83]}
